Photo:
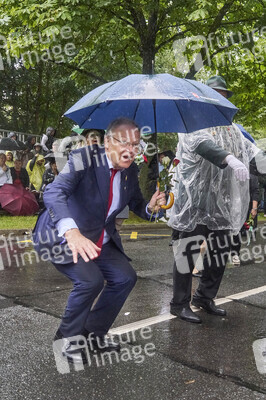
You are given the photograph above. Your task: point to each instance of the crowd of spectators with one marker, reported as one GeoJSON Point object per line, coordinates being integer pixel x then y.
{"type": "Point", "coordinates": [26, 165]}
{"type": "Point", "coordinates": [34, 165]}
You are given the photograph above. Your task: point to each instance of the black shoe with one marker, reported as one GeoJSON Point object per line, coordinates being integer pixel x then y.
{"type": "Point", "coordinates": [58, 335]}
{"type": "Point", "coordinates": [102, 343]}
{"type": "Point", "coordinates": [208, 305]}
{"type": "Point", "coordinates": [185, 313]}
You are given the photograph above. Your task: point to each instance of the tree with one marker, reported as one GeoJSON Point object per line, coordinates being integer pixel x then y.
{"type": "Point", "coordinates": [104, 40]}
{"type": "Point", "coordinates": [33, 99]}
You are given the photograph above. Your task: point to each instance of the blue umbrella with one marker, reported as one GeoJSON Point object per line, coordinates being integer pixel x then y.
{"type": "Point", "coordinates": [245, 133]}
{"type": "Point", "coordinates": [162, 102]}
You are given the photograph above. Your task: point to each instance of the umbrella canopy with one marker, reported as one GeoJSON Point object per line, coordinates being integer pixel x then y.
{"type": "Point", "coordinates": [18, 201]}
{"type": "Point", "coordinates": [162, 102]}
{"type": "Point", "coordinates": [10, 144]}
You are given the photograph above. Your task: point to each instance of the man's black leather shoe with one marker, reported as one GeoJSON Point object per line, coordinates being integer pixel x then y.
{"type": "Point", "coordinates": [186, 314]}
{"type": "Point", "coordinates": [208, 305]}
{"type": "Point", "coordinates": [102, 343]}
{"type": "Point", "coordinates": [58, 335]}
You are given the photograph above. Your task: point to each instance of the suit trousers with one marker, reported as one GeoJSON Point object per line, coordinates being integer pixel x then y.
{"type": "Point", "coordinates": [214, 261]}
{"type": "Point", "coordinates": [88, 279]}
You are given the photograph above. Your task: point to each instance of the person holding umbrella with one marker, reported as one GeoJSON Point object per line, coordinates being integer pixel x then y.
{"type": "Point", "coordinates": [19, 174]}
{"type": "Point", "coordinates": [77, 231]}
{"type": "Point", "coordinates": [210, 205]}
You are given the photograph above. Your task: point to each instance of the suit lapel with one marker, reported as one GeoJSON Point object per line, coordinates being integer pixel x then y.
{"type": "Point", "coordinates": [102, 172]}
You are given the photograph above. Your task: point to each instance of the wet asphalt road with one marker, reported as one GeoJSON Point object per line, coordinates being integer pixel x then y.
{"type": "Point", "coordinates": [214, 360]}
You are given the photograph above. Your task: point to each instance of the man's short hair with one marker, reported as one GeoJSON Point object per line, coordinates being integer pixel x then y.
{"type": "Point", "coordinates": [120, 121]}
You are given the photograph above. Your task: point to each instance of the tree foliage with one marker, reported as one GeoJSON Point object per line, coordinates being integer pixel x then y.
{"type": "Point", "coordinates": [84, 43]}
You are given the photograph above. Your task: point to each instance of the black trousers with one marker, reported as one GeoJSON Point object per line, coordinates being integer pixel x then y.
{"type": "Point", "coordinates": [88, 281]}
{"type": "Point", "coordinates": [186, 247]}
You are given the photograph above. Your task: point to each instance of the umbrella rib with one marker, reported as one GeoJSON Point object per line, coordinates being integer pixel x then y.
{"type": "Point", "coordinates": [196, 87]}
{"type": "Point", "coordinates": [185, 125]}
{"type": "Point", "coordinates": [88, 116]}
{"type": "Point", "coordinates": [136, 109]}
{"type": "Point", "coordinates": [111, 84]}
{"type": "Point", "coordinates": [221, 111]}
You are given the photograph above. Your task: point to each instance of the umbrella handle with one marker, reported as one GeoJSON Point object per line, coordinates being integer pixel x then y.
{"type": "Point", "coordinates": [171, 196]}
{"type": "Point", "coordinates": [171, 202]}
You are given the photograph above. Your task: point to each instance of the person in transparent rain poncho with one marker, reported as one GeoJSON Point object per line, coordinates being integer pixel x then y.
{"type": "Point", "coordinates": [211, 188]}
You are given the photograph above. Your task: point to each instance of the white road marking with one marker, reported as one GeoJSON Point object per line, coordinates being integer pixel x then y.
{"type": "Point", "coordinates": [1, 263]}
{"type": "Point", "coordinates": [167, 316]}
{"type": "Point", "coordinates": [241, 295]}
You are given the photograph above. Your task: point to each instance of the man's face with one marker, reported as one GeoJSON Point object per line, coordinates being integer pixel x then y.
{"type": "Point", "coordinates": [40, 162]}
{"type": "Point", "coordinates": [161, 156]}
{"type": "Point", "coordinates": [122, 146]}
{"type": "Point", "coordinates": [9, 156]}
{"type": "Point", "coordinates": [18, 165]}
{"type": "Point", "coordinates": [222, 92]}
{"type": "Point", "coordinates": [53, 166]}
{"type": "Point", "coordinates": [93, 137]}
{"type": "Point", "coordinates": [2, 160]}
{"type": "Point", "coordinates": [37, 149]}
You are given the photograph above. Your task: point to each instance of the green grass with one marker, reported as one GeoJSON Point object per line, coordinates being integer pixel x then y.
{"type": "Point", "coordinates": [134, 220]}
{"type": "Point", "coordinates": [8, 222]}
{"type": "Point", "coordinates": [11, 222]}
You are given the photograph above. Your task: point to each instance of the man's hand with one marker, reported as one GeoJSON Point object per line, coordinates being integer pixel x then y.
{"type": "Point", "coordinates": [157, 200]}
{"type": "Point", "coordinates": [240, 170]}
{"type": "Point", "coordinates": [253, 212]}
{"type": "Point", "coordinates": [79, 244]}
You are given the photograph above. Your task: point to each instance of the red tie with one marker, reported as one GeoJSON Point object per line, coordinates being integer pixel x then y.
{"type": "Point", "coordinates": [110, 199]}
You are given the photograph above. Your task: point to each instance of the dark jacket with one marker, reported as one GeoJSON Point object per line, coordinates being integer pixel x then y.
{"type": "Point", "coordinates": [81, 192]}
{"type": "Point", "coordinates": [22, 175]}
{"type": "Point", "coordinates": [48, 177]}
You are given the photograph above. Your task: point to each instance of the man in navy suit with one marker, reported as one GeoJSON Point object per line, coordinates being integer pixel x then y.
{"type": "Point", "coordinates": [77, 231]}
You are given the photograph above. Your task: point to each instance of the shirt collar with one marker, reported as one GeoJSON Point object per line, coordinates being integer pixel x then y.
{"type": "Point", "coordinates": [109, 162]}
{"type": "Point", "coordinates": [110, 165]}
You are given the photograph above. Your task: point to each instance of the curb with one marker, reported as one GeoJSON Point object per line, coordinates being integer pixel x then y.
{"type": "Point", "coordinates": [18, 232]}
{"type": "Point", "coordinates": [140, 227]}
{"type": "Point", "coordinates": [130, 227]}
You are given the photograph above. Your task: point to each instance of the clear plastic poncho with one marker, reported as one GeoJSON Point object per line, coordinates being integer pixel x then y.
{"type": "Point", "coordinates": [206, 194]}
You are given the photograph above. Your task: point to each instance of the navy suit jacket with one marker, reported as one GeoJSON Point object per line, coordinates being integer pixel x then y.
{"type": "Point", "coordinates": [81, 192]}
